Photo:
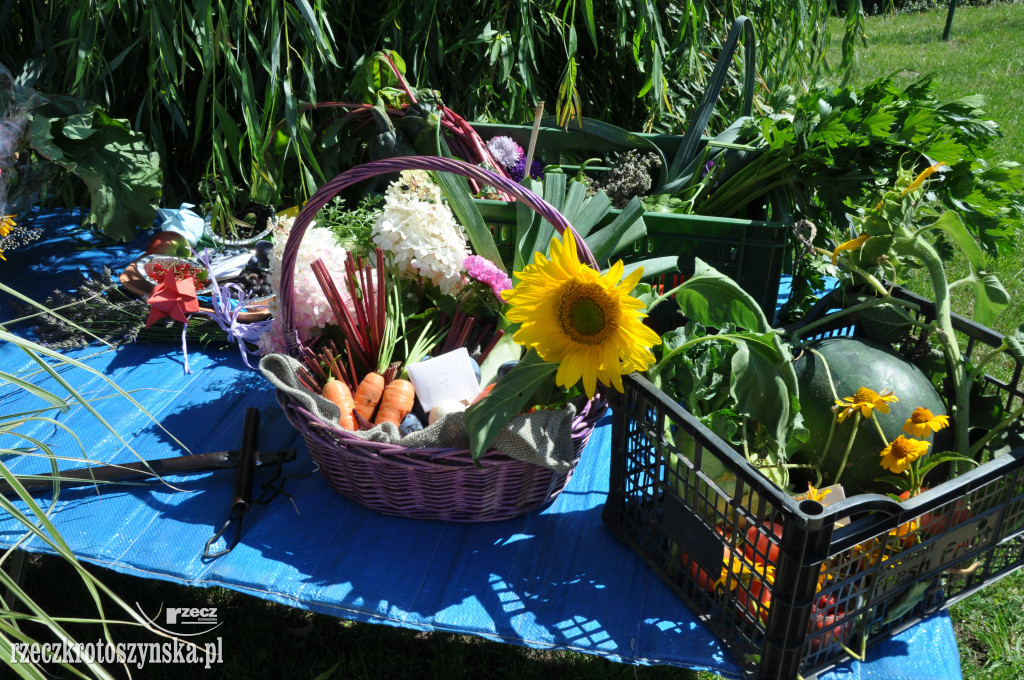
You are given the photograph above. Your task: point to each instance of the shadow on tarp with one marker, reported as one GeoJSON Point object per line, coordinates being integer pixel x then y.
{"type": "Point", "coordinates": [65, 249]}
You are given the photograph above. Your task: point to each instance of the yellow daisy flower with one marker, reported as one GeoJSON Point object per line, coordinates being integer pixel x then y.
{"type": "Point", "coordinates": [585, 320]}
{"type": "Point", "coordinates": [905, 532]}
{"type": "Point", "coordinates": [897, 456]}
{"type": "Point", "coordinates": [865, 400]}
{"type": "Point", "coordinates": [852, 244]}
{"type": "Point", "coordinates": [814, 494]}
{"type": "Point", "coordinates": [923, 422]}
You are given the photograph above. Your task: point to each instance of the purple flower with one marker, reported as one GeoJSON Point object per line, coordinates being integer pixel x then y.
{"type": "Point", "coordinates": [517, 170]}
{"type": "Point", "coordinates": [505, 151]}
{"type": "Point", "coordinates": [709, 167]}
{"type": "Point", "coordinates": [484, 271]}
{"type": "Point", "coordinates": [536, 170]}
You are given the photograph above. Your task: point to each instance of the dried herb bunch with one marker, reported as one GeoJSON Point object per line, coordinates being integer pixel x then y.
{"type": "Point", "coordinates": [112, 314]}
{"type": "Point", "coordinates": [630, 175]}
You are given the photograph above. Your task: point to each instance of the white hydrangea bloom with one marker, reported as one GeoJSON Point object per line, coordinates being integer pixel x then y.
{"type": "Point", "coordinates": [421, 232]}
{"type": "Point", "coordinates": [312, 312]}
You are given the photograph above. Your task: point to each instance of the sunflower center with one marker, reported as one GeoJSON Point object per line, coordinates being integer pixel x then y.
{"type": "Point", "coordinates": [865, 396]}
{"type": "Point", "coordinates": [586, 313]}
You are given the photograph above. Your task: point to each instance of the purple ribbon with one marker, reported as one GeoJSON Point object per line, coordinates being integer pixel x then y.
{"type": "Point", "coordinates": [226, 315]}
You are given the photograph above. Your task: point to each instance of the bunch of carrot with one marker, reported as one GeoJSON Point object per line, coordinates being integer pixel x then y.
{"type": "Point", "coordinates": [378, 398]}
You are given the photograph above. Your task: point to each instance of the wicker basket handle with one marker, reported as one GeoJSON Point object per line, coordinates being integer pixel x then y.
{"type": "Point", "coordinates": [388, 165]}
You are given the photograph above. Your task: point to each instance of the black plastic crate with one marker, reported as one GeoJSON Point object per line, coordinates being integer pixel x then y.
{"type": "Point", "coordinates": [750, 251]}
{"type": "Point", "coordinates": [848, 575]}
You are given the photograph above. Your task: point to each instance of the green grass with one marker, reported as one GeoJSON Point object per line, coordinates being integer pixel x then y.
{"type": "Point", "coordinates": [989, 628]}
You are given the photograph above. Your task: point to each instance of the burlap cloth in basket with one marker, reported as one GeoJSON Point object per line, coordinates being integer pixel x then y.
{"type": "Point", "coordinates": [541, 437]}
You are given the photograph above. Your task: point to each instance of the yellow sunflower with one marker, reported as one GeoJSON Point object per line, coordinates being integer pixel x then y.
{"type": "Point", "coordinates": [585, 320]}
{"type": "Point", "coordinates": [923, 422]}
{"type": "Point", "coordinates": [865, 400]}
{"type": "Point", "coordinates": [897, 456]}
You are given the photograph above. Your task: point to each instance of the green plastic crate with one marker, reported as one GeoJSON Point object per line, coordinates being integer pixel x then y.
{"type": "Point", "coordinates": [750, 251]}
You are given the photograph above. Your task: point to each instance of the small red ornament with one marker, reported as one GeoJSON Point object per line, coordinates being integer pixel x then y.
{"type": "Point", "coordinates": [174, 298]}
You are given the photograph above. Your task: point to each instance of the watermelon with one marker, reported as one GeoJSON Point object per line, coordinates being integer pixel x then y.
{"type": "Point", "coordinates": [855, 363]}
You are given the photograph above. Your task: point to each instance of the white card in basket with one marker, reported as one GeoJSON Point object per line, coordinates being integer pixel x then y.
{"type": "Point", "coordinates": [447, 377]}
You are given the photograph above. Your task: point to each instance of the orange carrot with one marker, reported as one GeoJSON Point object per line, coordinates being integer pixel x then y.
{"type": "Point", "coordinates": [483, 393]}
{"type": "Point", "coordinates": [339, 393]}
{"type": "Point", "coordinates": [368, 395]}
{"type": "Point", "coordinates": [396, 403]}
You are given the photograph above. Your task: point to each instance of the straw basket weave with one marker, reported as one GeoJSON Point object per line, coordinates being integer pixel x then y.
{"type": "Point", "coordinates": [424, 483]}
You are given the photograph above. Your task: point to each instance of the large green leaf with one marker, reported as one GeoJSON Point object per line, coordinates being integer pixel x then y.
{"type": "Point", "coordinates": [584, 212]}
{"type": "Point", "coordinates": [486, 418]}
{"type": "Point", "coordinates": [990, 298]}
{"type": "Point", "coordinates": [456, 189]}
{"type": "Point", "coordinates": [713, 299]}
{"type": "Point", "coordinates": [760, 391]}
{"type": "Point", "coordinates": [120, 170]}
{"type": "Point", "coordinates": [626, 229]}
{"type": "Point", "coordinates": [527, 229]}
{"type": "Point", "coordinates": [594, 208]}
{"type": "Point", "coordinates": [950, 223]}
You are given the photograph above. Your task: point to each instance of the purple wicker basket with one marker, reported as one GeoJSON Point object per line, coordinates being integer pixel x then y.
{"type": "Point", "coordinates": [422, 483]}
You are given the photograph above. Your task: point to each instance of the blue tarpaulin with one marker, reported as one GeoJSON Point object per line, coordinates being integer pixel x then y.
{"type": "Point", "coordinates": [555, 578]}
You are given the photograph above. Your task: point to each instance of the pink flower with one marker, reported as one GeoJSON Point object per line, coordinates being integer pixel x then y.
{"type": "Point", "coordinates": [505, 151]}
{"type": "Point", "coordinates": [484, 271]}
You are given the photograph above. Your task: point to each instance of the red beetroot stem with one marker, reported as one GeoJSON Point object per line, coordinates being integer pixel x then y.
{"type": "Point", "coordinates": [351, 366]}
{"type": "Point", "coordinates": [370, 344]}
{"type": "Point", "coordinates": [313, 362]}
{"type": "Point", "coordinates": [382, 311]}
{"type": "Point", "coordinates": [495, 337]}
{"type": "Point", "coordinates": [462, 324]}
{"type": "Point", "coordinates": [348, 326]}
{"type": "Point", "coordinates": [369, 302]}
{"type": "Point", "coordinates": [391, 371]}
{"type": "Point", "coordinates": [336, 371]}
{"type": "Point", "coordinates": [308, 381]}
{"type": "Point", "coordinates": [370, 305]}
{"type": "Point", "coordinates": [467, 328]}
{"type": "Point", "coordinates": [337, 363]}
{"type": "Point", "coordinates": [405, 85]}
{"type": "Point", "coordinates": [352, 282]}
